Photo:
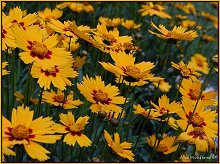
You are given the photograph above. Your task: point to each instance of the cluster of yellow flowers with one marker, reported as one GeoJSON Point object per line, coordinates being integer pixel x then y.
{"type": "Point", "coordinates": [49, 48]}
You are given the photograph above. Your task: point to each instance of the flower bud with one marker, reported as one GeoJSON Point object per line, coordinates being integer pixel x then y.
{"type": "Point", "coordinates": [114, 122]}
{"type": "Point", "coordinates": [215, 62]}
{"type": "Point", "coordinates": [95, 159]}
{"type": "Point", "coordinates": [102, 114]}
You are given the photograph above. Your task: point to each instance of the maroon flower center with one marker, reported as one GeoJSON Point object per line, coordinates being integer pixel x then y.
{"type": "Point", "coordinates": [197, 121]}
{"type": "Point", "coordinates": [73, 133]}
{"type": "Point", "coordinates": [49, 72]}
{"type": "Point", "coordinates": [100, 96]}
{"type": "Point", "coordinates": [39, 50]}
{"type": "Point", "coordinates": [19, 132]}
{"type": "Point", "coordinates": [197, 132]}
{"type": "Point", "coordinates": [59, 99]}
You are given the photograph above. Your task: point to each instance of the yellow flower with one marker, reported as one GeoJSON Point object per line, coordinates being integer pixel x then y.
{"type": "Point", "coordinates": [17, 17]}
{"type": "Point", "coordinates": [200, 118]}
{"type": "Point", "coordinates": [23, 130]}
{"type": "Point", "coordinates": [200, 63]}
{"type": "Point", "coordinates": [198, 137]}
{"type": "Point", "coordinates": [165, 107]}
{"type": "Point", "coordinates": [58, 75]}
{"type": "Point", "coordinates": [4, 71]}
{"type": "Point", "coordinates": [211, 17]}
{"type": "Point", "coordinates": [209, 38]}
{"type": "Point", "coordinates": [188, 23]}
{"type": "Point", "coordinates": [130, 24]}
{"type": "Point", "coordinates": [69, 43]}
{"type": "Point", "coordinates": [187, 71]}
{"type": "Point", "coordinates": [73, 129]}
{"type": "Point", "coordinates": [79, 62]}
{"type": "Point", "coordinates": [77, 6]}
{"type": "Point", "coordinates": [152, 9]}
{"type": "Point", "coordinates": [102, 97]}
{"type": "Point", "coordinates": [177, 33]}
{"type": "Point", "coordinates": [38, 49]}
{"type": "Point", "coordinates": [122, 149]}
{"type": "Point", "coordinates": [58, 99]}
{"type": "Point", "coordinates": [187, 8]}
{"type": "Point", "coordinates": [191, 89]}
{"type": "Point", "coordinates": [48, 14]}
{"type": "Point", "coordinates": [163, 85]}
{"type": "Point", "coordinates": [6, 150]}
{"type": "Point", "coordinates": [126, 67]}
{"type": "Point", "coordinates": [139, 110]}
{"type": "Point", "coordinates": [20, 97]}
{"type": "Point", "coordinates": [166, 145]}
{"type": "Point", "coordinates": [3, 5]}
{"type": "Point", "coordinates": [8, 40]}
{"type": "Point", "coordinates": [110, 39]}
{"type": "Point", "coordinates": [114, 22]}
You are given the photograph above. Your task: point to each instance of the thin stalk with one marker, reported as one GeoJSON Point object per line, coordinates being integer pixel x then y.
{"type": "Point", "coordinates": [39, 103]}
{"type": "Point", "coordinates": [142, 129]}
{"type": "Point", "coordinates": [27, 98]}
{"type": "Point", "coordinates": [176, 95]}
{"type": "Point", "coordinates": [123, 107]}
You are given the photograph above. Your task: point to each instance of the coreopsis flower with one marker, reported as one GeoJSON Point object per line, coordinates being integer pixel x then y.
{"type": "Point", "coordinates": [38, 49]}
{"type": "Point", "coordinates": [187, 8]}
{"type": "Point", "coordinates": [165, 107]}
{"type": "Point", "coordinates": [126, 67]}
{"type": "Point", "coordinates": [208, 38]}
{"type": "Point", "coordinates": [166, 145]}
{"type": "Point", "coordinates": [163, 85]}
{"type": "Point", "coordinates": [76, 6]}
{"type": "Point", "coordinates": [72, 30]}
{"type": "Point", "coordinates": [73, 129]}
{"type": "Point", "coordinates": [78, 62]}
{"type": "Point", "coordinates": [177, 33]}
{"type": "Point", "coordinates": [6, 150]}
{"type": "Point", "coordinates": [57, 75]}
{"type": "Point", "coordinates": [130, 24]}
{"type": "Point", "coordinates": [17, 17]}
{"type": "Point", "coordinates": [153, 9]}
{"type": "Point", "coordinates": [148, 113]}
{"type": "Point", "coordinates": [191, 90]}
{"type": "Point", "coordinates": [200, 63]}
{"type": "Point", "coordinates": [122, 149]}
{"type": "Point", "coordinates": [8, 40]}
{"type": "Point", "coordinates": [114, 22]}
{"type": "Point", "coordinates": [20, 97]}
{"type": "Point", "coordinates": [188, 23]}
{"type": "Point", "coordinates": [69, 43]}
{"type": "Point", "coordinates": [198, 137]}
{"type": "Point", "coordinates": [58, 99]}
{"type": "Point", "coordinates": [110, 39]}
{"type": "Point", "coordinates": [210, 17]}
{"type": "Point", "coordinates": [102, 97]}
{"type": "Point", "coordinates": [186, 70]}
{"type": "Point", "coordinates": [3, 5]}
{"type": "Point", "coordinates": [4, 71]}
{"type": "Point", "coordinates": [48, 14]}
{"type": "Point", "coordinates": [200, 117]}
{"type": "Point", "coordinates": [23, 130]}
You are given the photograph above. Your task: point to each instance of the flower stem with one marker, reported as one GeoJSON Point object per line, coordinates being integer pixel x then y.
{"type": "Point", "coordinates": [176, 95]}
{"type": "Point", "coordinates": [27, 98]}
{"type": "Point", "coordinates": [38, 113]}
{"type": "Point", "coordinates": [123, 107]}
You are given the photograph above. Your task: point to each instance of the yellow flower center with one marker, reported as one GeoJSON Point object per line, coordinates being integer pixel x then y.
{"type": "Point", "coordinates": [109, 39]}
{"type": "Point", "coordinates": [117, 148]}
{"type": "Point", "coordinates": [39, 49]}
{"type": "Point", "coordinates": [101, 96]}
{"type": "Point", "coordinates": [20, 132]}
{"type": "Point", "coordinates": [59, 98]}
{"type": "Point", "coordinates": [132, 70]}
{"type": "Point", "coordinates": [197, 120]}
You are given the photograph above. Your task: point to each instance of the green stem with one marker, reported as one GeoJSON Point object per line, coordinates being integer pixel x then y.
{"type": "Point", "coordinates": [123, 107]}
{"type": "Point", "coordinates": [38, 113]}
{"type": "Point", "coordinates": [176, 95]}
{"type": "Point", "coordinates": [27, 98]}
{"type": "Point", "coordinates": [142, 129]}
